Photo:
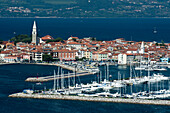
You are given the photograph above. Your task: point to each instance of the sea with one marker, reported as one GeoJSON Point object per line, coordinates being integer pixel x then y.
{"type": "Point", "coordinates": [136, 29]}
{"type": "Point", "coordinates": [12, 80]}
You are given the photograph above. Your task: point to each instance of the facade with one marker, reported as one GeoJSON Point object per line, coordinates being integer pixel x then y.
{"type": "Point", "coordinates": [102, 56]}
{"type": "Point", "coordinates": [122, 59]}
{"type": "Point", "coordinates": [36, 55]}
{"type": "Point", "coordinates": [88, 54]}
{"type": "Point", "coordinates": [11, 59]}
{"type": "Point", "coordinates": [66, 54]}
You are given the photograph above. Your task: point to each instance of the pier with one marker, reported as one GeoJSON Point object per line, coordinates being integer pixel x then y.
{"type": "Point", "coordinates": [95, 99]}
{"type": "Point", "coordinates": [61, 65]}
{"type": "Point", "coordinates": [48, 78]}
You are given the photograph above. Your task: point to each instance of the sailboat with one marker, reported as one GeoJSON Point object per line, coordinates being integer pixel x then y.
{"type": "Point", "coordinates": [154, 30]}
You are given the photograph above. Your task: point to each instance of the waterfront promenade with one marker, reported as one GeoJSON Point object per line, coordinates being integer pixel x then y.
{"type": "Point", "coordinates": [95, 99]}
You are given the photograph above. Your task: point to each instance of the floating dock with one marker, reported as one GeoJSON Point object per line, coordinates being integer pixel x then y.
{"type": "Point", "coordinates": [95, 99]}
{"type": "Point", "coordinates": [48, 78]}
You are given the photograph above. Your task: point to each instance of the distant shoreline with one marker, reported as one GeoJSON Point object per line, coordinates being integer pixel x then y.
{"type": "Point", "coordinates": [94, 17]}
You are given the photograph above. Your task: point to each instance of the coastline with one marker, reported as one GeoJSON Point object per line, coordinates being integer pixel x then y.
{"type": "Point", "coordinates": [94, 17]}
{"type": "Point", "coordinates": [92, 99]}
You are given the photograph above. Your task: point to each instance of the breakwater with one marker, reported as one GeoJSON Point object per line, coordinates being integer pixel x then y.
{"type": "Point", "coordinates": [95, 99]}
{"type": "Point", "coordinates": [48, 78]}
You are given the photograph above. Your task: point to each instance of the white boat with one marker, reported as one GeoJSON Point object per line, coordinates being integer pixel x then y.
{"type": "Point", "coordinates": [146, 97]}
{"type": "Point", "coordinates": [128, 96]}
{"type": "Point", "coordinates": [139, 68]}
{"type": "Point", "coordinates": [88, 95]}
{"type": "Point", "coordinates": [117, 84]}
{"type": "Point", "coordinates": [107, 94]}
{"type": "Point", "coordinates": [160, 76]}
{"type": "Point", "coordinates": [75, 87]}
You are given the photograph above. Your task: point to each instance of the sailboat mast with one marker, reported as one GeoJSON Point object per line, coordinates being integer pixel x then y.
{"type": "Point", "coordinates": [58, 77]}
{"type": "Point", "coordinates": [61, 79]}
{"type": "Point", "coordinates": [68, 80]}
{"type": "Point", "coordinates": [54, 81]}
{"type": "Point", "coordinates": [107, 71]}
{"type": "Point", "coordinates": [130, 71]}
{"type": "Point", "coordinates": [140, 65]}
{"type": "Point", "coordinates": [100, 76]}
{"type": "Point", "coordinates": [148, 74]}
{"type": "Point", "coordinates": [120, 87]}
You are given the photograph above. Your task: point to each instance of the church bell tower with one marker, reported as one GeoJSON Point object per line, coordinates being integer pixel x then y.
{"type": "Point", "coordinates": [34, 34]}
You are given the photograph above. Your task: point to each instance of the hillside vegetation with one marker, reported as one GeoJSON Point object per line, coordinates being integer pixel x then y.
{"type": "Point", "coordinates": [85, 8]}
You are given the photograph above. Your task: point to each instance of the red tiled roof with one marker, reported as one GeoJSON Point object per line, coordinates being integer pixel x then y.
{"type": "Point", "coordinates": [47, 37]}
{"type": "Point", "coordinates": [74, 43]}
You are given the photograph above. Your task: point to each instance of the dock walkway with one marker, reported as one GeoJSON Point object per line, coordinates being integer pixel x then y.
{"type": "Point", "coordinates": [48, 78]}
{"type": "Point", "coordinates": [95, 99]}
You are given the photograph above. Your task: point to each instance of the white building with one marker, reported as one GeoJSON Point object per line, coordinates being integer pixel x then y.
{"type": "Point", "coordinates": [36, 55]}
{"type": "Point", "coordinates": [122, 59]}
{"type": "Point", "coordinates": [75, 45]}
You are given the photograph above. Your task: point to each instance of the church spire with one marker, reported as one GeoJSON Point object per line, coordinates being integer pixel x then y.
{"type": "Point", "coordinates": [34, 26]}
{"type": "Point", "coordinates": [34, 34]}
{"type": "Point", "coordinates": [142, 48]}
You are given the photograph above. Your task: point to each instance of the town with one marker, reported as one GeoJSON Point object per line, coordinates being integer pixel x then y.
{"type": "Point", "coordinates": [74, 54]}
{"type": "Point", "coordinates": [118, 51]}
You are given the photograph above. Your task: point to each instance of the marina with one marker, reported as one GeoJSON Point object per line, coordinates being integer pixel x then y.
{"type": "Point", "coordinates": [100, 96]}
{"type": "Point", "coordinates": [100, 90]}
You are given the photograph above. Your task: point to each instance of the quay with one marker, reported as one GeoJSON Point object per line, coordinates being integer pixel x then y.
{"type": "Point", "coordinates": [95, 99]}
{"type": "Point", "coordinates": [8, 63]}
{"type": "Point", "coordinates": [48, 78]}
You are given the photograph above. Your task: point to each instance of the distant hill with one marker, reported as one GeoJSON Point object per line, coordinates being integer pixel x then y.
{"type": "Point", "coordinates": [85, 8]}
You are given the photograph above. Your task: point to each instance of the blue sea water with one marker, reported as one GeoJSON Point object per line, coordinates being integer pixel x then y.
{"type": "Point", "coordinates": [12, 80]}
{"type": "Point", "coordinates": [136, 29]}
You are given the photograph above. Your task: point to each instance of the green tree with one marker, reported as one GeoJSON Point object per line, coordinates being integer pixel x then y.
{"type": "Point", "coordinates": [74, 39]}
{"type": "Point", "coordinates": [162, 43]}
{"type": "Point", "coordinates": [156, 44]}
{"type": "Point", "coordinates": [21, 38]}
{"type": "Point", "coordinates": [92, 39]}
{"type": "Point", "coordinates": [1, 41]}
{"type": "Point", "coordinates": [76, 58]}
{"type": "Point", "coordinates": [55, 40]}
{"type": "Point", "coordinates": [47, 58]}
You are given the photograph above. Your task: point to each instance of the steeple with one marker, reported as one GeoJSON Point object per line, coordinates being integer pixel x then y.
{"type": "Point", "coordinates": [142, 49]}
{"type": "Point", "coordinates": [34, 34]}
{"type": "Point", "coordinates": [34, 26]}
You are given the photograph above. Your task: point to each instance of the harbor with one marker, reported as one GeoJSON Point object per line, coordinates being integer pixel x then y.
{"type": "Point", "coordinates": [66, 86]}
{"type": "Point", "coordinates": [46, 91]}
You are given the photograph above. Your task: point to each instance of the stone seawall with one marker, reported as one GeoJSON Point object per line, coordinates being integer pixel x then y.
{"type": "Point", "coordinates": [95, 99]}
